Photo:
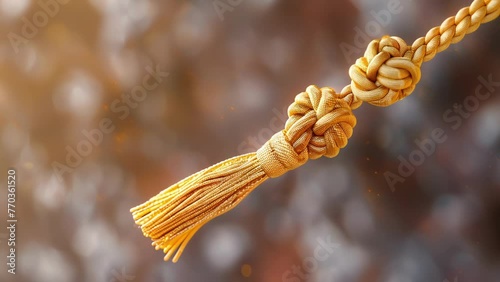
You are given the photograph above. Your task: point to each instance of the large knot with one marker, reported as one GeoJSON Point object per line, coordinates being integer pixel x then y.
{"type": "Point", "coordinates": [319, 124]}
{"type": "Point", "coordinates": [386, 73]}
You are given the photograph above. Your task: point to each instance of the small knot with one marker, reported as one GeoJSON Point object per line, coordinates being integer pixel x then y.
{"type": "Point", "coordinates": [319, 124]}
{"type": "Point", "coordinates": [386, 73]}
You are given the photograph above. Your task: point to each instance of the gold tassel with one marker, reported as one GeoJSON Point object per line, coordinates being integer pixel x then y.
{"type": "Point", "coordinates": [172, 217]}
{"type": "Point", "coordinates": [319, 124]}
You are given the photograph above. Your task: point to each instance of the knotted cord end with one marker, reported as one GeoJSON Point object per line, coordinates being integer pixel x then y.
{"type": "Point", "coordinates": [386, 72]}
{"type": "Point", "coordinates": [320, 123]}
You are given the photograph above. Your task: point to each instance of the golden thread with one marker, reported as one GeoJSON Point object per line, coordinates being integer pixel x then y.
{"type": "Point", "coordinates": [320, 123]}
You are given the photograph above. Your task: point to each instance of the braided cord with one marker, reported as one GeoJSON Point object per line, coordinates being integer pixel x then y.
{"type": "Point", "coordinates": [454, 29]}
{"type": "Point", "coordinates": [320, 123]}
{"type": "Point", "coordinates": [390, 70]}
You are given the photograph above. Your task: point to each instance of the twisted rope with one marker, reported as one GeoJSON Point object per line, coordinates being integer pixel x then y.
{"type": "Point", "coordinates": [320, 123]}
{"type": "Point", "coordinates": [390, 70]}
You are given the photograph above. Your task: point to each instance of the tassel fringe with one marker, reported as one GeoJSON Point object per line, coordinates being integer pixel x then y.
{"type": "Point", "coordinates": [172, 217]}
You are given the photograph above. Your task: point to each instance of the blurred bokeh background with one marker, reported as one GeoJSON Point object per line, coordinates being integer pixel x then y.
{"type": "Point", "coordinates": [220, 75]}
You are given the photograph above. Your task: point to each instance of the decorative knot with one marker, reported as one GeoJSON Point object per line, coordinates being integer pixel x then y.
{"type": "Point", "coordinates": [386, 73]}
{"type": "Point", "coordinates": [319, 124]}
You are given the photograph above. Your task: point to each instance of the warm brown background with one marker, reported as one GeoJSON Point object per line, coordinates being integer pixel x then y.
{"type": "Point", "coordinates": [228, 79]}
